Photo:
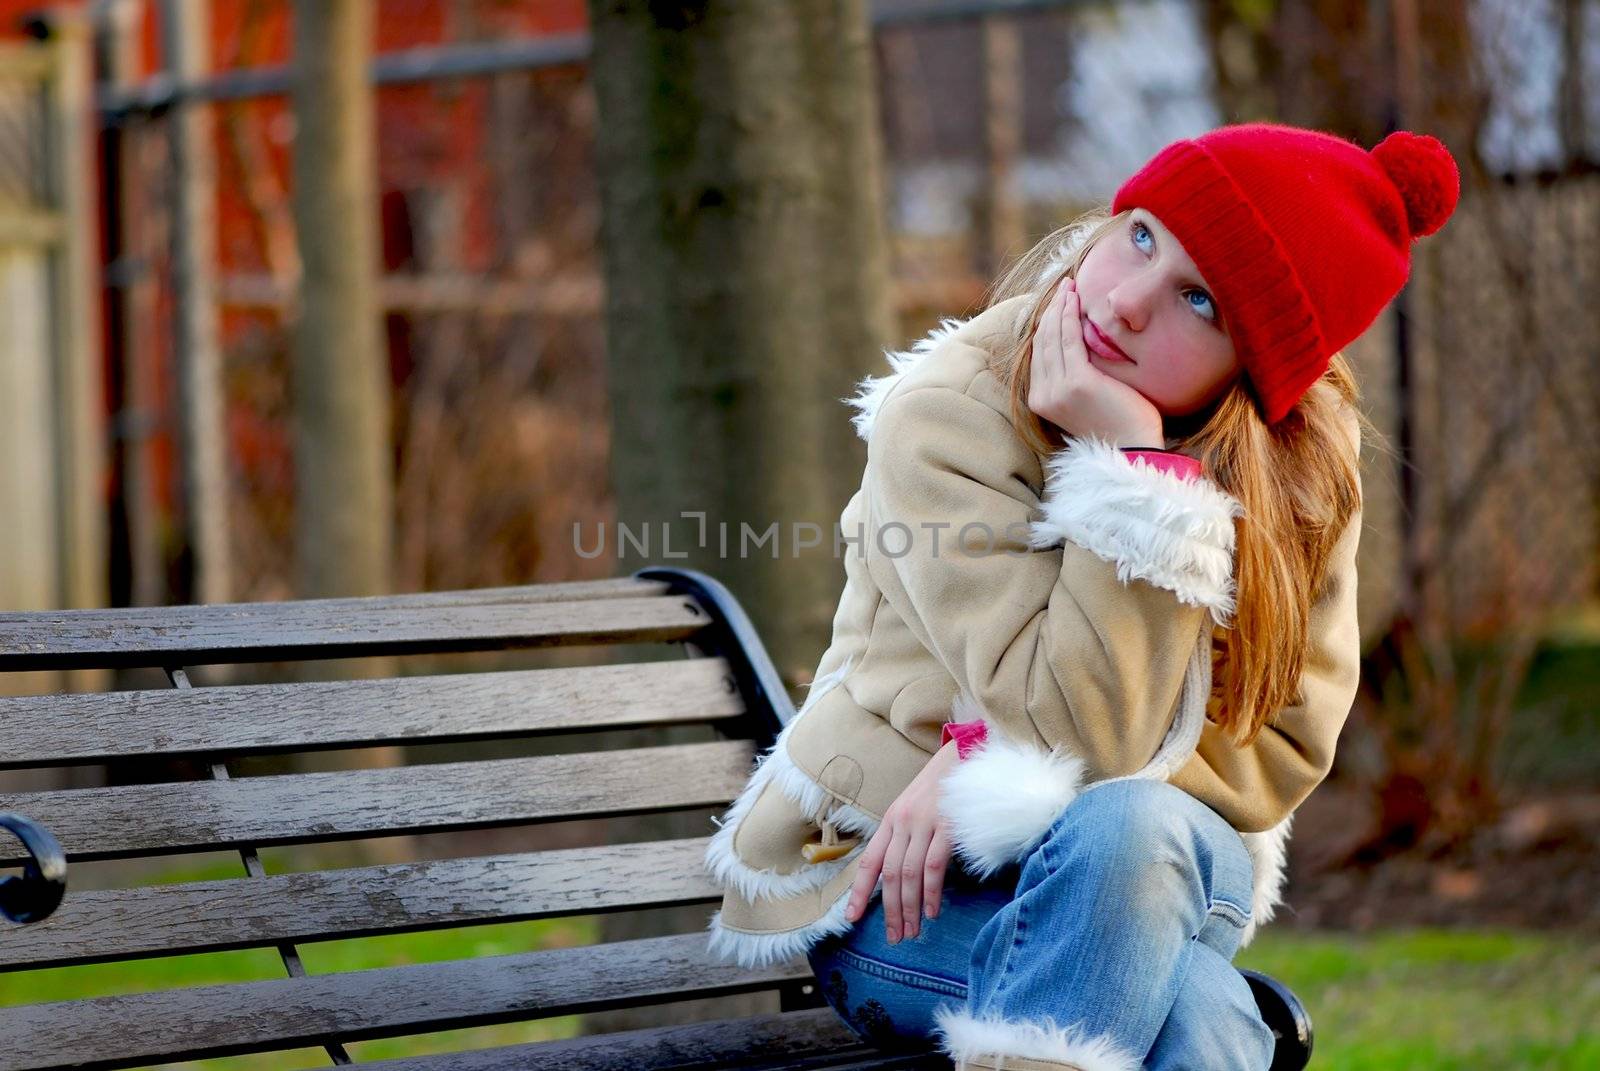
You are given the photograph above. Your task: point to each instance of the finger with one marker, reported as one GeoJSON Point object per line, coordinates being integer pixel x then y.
{"type": "Point", "coordinates": [892, 859]}
{"type": "Point", "coordinates": [911, 881]}
{"type": "Point", "coordinates": [1072, 351]}
{"type": "Point", "coordinates": [867, 874]}
{"type": "Point", "coordinates": [1064, 296]}
{"type": "Point", "coordinates": [1049, 328]}
{"type": "Point", "coordinates": [1046, 363]}
{"type": "Point", "coordinates": [934, 870]}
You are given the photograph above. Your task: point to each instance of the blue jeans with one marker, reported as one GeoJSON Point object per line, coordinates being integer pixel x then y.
{"type": "Point", "coordinates": [1122, 922]}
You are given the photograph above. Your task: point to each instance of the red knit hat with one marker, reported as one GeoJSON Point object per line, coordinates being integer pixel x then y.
{"type": "Point", "coordinates": [1302, 236]}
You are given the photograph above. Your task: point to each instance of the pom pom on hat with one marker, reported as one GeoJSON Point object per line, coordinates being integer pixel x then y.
{"type": "Point", "coordinates": [1425, 173]}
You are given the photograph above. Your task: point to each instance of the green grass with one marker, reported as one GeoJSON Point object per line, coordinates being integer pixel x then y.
{"type": "Point", "coordinates": [1442, 1000]}
{"type": "Point", "coordinates": [1421, 999]}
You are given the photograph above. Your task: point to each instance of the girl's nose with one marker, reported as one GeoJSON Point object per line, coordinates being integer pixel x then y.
{"type": "Point", "coordinates": [1130, 302]}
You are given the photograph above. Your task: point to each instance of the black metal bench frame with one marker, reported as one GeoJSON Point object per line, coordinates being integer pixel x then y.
{"type": "Point", "coordinates": [686, 607]}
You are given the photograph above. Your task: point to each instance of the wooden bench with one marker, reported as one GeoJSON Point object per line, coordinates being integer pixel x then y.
{"type": "Point", "coordinates": [727, 686]}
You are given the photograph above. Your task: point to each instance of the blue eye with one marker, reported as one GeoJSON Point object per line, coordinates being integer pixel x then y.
{"type": "Point", "coordinates": [1207, 299]}
{"type": "Point", "coordinates": [1138, 229]}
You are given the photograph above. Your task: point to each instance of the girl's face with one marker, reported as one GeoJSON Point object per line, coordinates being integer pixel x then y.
{"type": "Point", "coordinates": [1141, 290]}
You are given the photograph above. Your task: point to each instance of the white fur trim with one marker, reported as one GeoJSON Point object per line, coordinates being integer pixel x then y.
{"type": "Point", "coordinates": [1174, 532]}
{"type": "Point", "coordinates": [871, 391]}
{"type": "Point", "coordinates": [966, 1037]}
{"type": "Point", "coordinates": [1268, 854]}
{"type": "Point", "coordinates": [757, 950]}
{"type": "Point", "coordinates": [775, 765]}
{"type": "Point", "coordinates": [1002, 798]}
{"type": "Point", "coordinates": [1065, 250]}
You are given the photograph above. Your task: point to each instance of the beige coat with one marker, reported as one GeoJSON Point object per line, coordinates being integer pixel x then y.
{"type": "Point", "coordinates": [1084, 638]}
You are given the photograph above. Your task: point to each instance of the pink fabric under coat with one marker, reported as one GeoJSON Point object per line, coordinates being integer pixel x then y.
{"type": "Point", "coordinates": [1166, 461]}
{"type": "Point", "coordinates": [966, 734]}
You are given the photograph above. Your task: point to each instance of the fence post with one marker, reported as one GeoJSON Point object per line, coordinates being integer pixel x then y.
{"type": "Point", "coordinates": [186, 39]}
{"type": "Point", "coordinates": [78, 390]}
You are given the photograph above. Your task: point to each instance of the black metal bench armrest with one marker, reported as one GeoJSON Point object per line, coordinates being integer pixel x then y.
{"type": "Point", "coordinates": [1282, 1011]}
{"type": "Point", "coordinates": [37, 893]}
{"type": "Point", "coordinates": [734, 637]}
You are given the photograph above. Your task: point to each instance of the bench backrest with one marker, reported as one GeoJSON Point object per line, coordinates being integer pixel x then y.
{"type": "Point", "coordinates": [727, 683]}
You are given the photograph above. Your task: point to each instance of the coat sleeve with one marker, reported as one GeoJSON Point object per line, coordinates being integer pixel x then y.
{"type": "Point", "coordinates": [1257, 786]}
{"type": "Point", "coordinates": [1076, 625]}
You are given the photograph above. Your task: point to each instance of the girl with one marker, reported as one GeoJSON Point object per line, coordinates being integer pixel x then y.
{"type": "Point", "coordinates": [1136, 470]}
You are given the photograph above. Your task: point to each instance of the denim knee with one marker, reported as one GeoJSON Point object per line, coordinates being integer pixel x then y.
{"type": "Point", "coordinates": [1138, 828]}
{"type": "Point", "coordinates": [1133, 813]}
{"type": "Point", "coordinates": [1148, 841]}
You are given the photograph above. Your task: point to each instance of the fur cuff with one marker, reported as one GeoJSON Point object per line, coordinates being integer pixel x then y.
{"type": "Point", "coordinates": [1268, 854]}
{"type": "Point", "coordinates": [1175, 533]}
{"type": "Point", "coordinates": [967, 1037]}
{"type": "Point", "coordinates": [1001, 800]}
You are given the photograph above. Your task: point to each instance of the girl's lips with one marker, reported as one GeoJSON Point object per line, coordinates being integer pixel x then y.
{"type": "Point", "coordinates": [1100, 344]}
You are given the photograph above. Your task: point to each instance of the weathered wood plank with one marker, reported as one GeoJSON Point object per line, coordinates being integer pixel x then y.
{"type": "Point", "coordinates": [188, 1024]}
{"type": "Point", "coordinates": [48, 730]}
{"type": "Point", "coordinates": [245, 632]}
{"type": "Point", "coordinates": [813, 1038]}
{"type": "Point", "coordinates": [623, 587]}
{"type": "Point", "coordinates": [130, 820]}
{"type": "Point", "coordinates": [211, 916]}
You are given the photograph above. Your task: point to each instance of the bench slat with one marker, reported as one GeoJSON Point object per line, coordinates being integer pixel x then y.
{"type": "Point", "coordinates": [131, 820]}
{"type": "Point", "coordinates": [811, 1038]}
{"type": "Point", "coordinates": [622, 587]}
{"type": "Point", "coordinates": [188, 1024]}
{"type": "Point", "coordinates": [47, 730]}
{"type": "Point", "coordinates": [214, 916]}
{"type": "Point", "coordinates": [246, 632]}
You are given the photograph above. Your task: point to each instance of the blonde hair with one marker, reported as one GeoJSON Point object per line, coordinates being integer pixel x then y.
{"type": "Point", "coordinates": [1298, 481]}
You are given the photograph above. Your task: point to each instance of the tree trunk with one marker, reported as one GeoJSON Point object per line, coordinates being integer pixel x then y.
{"type": "Point", "coordinates": [343, 478]}
{"type": "Point", "coordinates": [747, 290]}
{"type": "Point", "coordinates": [746, 276]}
